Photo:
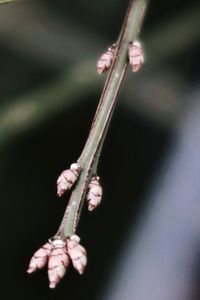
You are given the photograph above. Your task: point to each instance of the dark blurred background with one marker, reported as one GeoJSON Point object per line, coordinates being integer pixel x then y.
{"type": "Point", "coordinates": [49, 93]}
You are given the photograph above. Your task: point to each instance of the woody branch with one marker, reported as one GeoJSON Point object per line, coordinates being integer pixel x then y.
{"type": "Point", "coordinates": [91, 152]}
{"type": "Point", "coordinates": [65, 244]}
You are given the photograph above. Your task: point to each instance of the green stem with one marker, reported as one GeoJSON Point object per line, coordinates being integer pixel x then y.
{"type": "Point", "coordinates": [5, 1]}
{"type": "Point", "coordinates": [91, 151]}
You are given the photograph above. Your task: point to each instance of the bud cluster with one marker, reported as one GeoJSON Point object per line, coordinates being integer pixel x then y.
{"type": "Point", "coordinates": [57, 255]}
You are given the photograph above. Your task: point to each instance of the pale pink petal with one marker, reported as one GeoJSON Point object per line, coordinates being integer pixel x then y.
{"type": "Point", "coordinates": [136, 56]}
{"type": "Point", "coordinates": [40, 258]}
{"type": "Point", "coordinates": [80, 264]}
{"type": "Point", "coordinates": [105, 61]}
{"type": "Point", "coordinates": [58, 262]}
{"type": "Point", "coordinates": [75, 238]}
{"type": "Point", "coordinates": [55, 275]}
{"type": "Point", "coordinates": [73, 241]}
{"type": "Point", "coordinates": [77, 254]}
{"type": "Point", "coordinates": [67, 178]}
{"type": "Point", "coordinates": [94, 194]}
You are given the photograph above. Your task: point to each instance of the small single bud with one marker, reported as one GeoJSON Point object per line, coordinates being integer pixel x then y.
{"type": "Point", "coordinates": [57, 242]}
{"type": "Point", "coordinates": [67, 178]}
{"type": "Point", "coordinates": [40, 258]}
{"type": "Point", "coordinates": [105, 61]}
{"type": "Point", "coordinates": [75, 239]}
{"type": "Point", "coordinates": [94, 194]}
{"type": "Point", "coordinates": [58, 262]}
{"type": "Point", "coordinates": [77, 253]}
{"type": "Point", "coordinates": [136, 55]}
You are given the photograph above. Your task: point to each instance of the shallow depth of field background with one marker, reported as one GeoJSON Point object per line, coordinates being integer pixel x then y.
{"type": "Point", "coordinates": [143, 242]}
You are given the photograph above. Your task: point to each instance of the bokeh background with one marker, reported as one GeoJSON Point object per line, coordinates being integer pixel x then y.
{"type": "Point", "coordinates": [143, 242]}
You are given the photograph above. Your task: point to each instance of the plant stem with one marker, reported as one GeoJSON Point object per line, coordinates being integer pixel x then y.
{"type": "Point", "coordinates": [5, 1]}
{"type": "Point", "coordinates": [91, 152]}
{"type": "Point", "coordinates": [60, 94]}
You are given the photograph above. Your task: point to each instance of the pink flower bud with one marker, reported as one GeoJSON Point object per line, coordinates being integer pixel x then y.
{"type": "Point", "coordinates": [94, 194]}
{"type": "Point", "coordinates": [67, 178]}
{"type": "Point", "coordinates": [105, 61]}
{"type": "Point", "coordinates": [40, 258]}
{"type": "Point", "coordinates": [77, 253]}
{"type": "Point", "coordinates": [136, 55]}
{"type": "Point", "coordinates": [74, 239]}
{"type": "Point", "coordinates": [58, 263]}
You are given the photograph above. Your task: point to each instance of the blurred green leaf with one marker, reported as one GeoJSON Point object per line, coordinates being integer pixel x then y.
{"type": "Point", "coordinates": [5, 1]}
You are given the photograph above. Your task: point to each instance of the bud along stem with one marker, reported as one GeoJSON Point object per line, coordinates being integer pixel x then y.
{"type": "Point", "coordinates": [91, 152]}
{"type": "Point", "coordinates": [65, 245]}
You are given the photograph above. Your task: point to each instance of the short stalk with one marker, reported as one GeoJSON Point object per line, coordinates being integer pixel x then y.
{"type": "Point", "coordinates": [91, 152]}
